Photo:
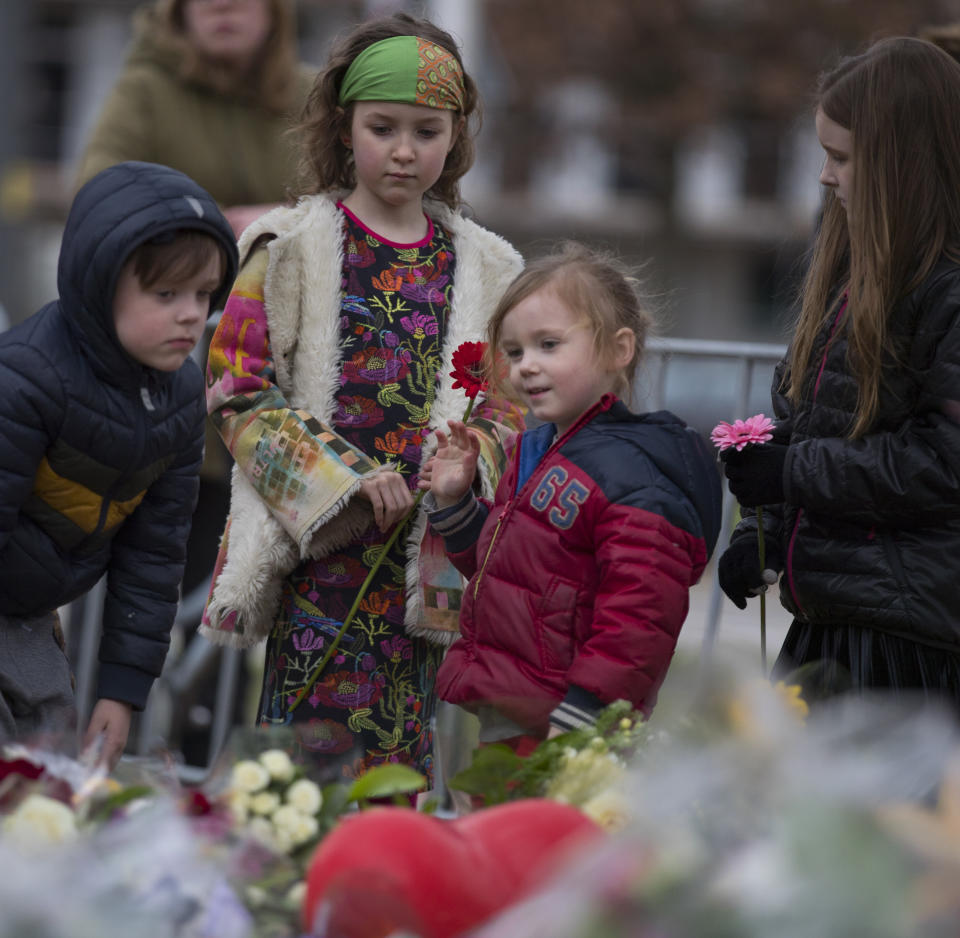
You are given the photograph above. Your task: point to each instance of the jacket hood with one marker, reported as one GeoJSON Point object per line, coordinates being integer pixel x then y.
{"type": "Point", "coordinates": [113, 213]}
{"type": "Point", "coordinates": [680, 454]}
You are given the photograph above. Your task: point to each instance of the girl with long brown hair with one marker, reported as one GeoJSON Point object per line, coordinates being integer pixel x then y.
{"type": "Point", "coordinates": [861, 484]}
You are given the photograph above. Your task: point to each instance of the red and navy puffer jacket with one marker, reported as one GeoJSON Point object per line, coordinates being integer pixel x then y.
{"type": "Point", "coordinates": [580, 570]}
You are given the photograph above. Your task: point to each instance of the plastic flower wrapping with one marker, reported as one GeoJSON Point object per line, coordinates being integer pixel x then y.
{"type": "Point", "coordinates": [735, 811]}
{"type": "Point", "coordinates": [223, 860]}
{"type": "Point", "coordinates": [85, 856]}
{"type": "Point", "coordinates": [748, 816]}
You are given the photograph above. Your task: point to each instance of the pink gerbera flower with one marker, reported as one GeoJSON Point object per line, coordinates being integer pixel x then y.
{"type": "Point", "coordinates": [741, 433]}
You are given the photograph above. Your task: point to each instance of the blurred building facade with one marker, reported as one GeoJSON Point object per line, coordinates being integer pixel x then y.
{"type": "Point", "coordinates": [679, 135]}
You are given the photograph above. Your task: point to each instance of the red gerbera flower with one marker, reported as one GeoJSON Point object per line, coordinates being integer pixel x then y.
{"type": "Point", "coordinates": [468, 372]}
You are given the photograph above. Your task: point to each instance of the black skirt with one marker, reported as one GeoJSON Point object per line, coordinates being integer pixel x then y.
{"type": "Point", "coordinates": [830, 660]}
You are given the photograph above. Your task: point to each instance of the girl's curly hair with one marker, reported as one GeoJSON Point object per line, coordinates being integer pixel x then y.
{"type": "Point", "coordinates": [326, 162]}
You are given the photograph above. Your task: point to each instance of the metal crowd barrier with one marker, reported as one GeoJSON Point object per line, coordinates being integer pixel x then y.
{"type": "Point", "coordinates": [701, 381]}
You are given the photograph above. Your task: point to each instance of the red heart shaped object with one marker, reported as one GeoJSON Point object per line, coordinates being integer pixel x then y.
{"type": "Point", "coordinates": [388, 869]}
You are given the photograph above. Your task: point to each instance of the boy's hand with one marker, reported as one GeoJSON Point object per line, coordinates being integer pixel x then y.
{"type": "Point", "coordinates": [388, 496]}
{"type": "Point", "coordinates": [450, 471]}
{"type": "Point", "coordinates": [112, 719]}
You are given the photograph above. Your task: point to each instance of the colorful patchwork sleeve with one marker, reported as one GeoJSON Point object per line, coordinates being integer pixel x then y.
{"type": "Point", "coordinates": [498, 422]}
{"type": "Point", "coordinates": [304, 472]}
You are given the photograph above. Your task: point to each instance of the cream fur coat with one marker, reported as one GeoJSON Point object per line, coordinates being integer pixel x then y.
{"type": "Point", "coordinates": [302, 302]}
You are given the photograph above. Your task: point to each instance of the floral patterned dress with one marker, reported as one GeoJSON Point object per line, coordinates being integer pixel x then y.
{"type": "Point", "coordinates": [374, 703]}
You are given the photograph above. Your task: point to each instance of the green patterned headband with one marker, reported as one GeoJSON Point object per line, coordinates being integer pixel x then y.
{"type": "Point", "coordinates": [406, 69]}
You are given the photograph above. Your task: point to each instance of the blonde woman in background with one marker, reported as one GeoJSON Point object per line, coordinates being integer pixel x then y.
{"type": "Point", "coordinates": [210, 88]}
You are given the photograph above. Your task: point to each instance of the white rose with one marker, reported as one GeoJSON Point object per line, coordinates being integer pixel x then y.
{"type": "Point", "coordinates": [278, 764]}
{"type": "Point", "coordinates": [609, 809]}
{"type": "Point", "coordinates": [306, 829]}
{"type": "Point", "coordinates": [249, 776]}
{"type": "Point", "coordinates": [283, 840]}
{"type": "Point", "coordinates": [256, 896]}
{"type": "Point", "coordinates": [261, 829]}
{"type": "Point", "coordinates": [296, 894]}
{"type": "Point", "coordinates": [305, 796]}
{"type": "Point", "coordinates": [239, 804]}
{"type": "Point", "coordinates": [287, 818]}
{"type": "Point", "coordinates": [264, 802]}
{"type": "Point", "coordinates": [38, 817]}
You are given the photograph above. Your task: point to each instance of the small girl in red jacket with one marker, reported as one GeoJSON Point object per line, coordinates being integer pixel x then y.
{"type": "Point", "coordinates": [581, 567]}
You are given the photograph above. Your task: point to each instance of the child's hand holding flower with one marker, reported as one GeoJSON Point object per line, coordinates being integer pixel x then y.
{"type": "Point", "coordinates": [753, 459]}
{"type": "Point", "coordinates": [451, 470]}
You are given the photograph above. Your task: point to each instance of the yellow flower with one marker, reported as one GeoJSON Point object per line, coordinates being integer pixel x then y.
{"type": "Point", "coordinates": [609, 809]}
{"type": "Point", "coordinates": [40, 820]}
{"type": "Point", "coordinates": [305, 796]}
{"type": "Point", "coordinates": [790, 695]}
{"type": "Point", "coordinates": [249, 776]}
{"type": "Point", "coordinates": [754, 717]}
{"type": "Point", "coordinates": [278, 764]}
{"type": "Point", "coordinates": [584, 775]}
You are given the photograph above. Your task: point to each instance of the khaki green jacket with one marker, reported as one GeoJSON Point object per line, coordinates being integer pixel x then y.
{"type": "Point", "coordinates": [236, 147]}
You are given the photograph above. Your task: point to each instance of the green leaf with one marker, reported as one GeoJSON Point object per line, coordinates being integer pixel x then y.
{"type": "Point", "coordinates": [492, 768]}
{"type": "Point", "coordinates": [104, 810]}
{"type": "Point", "coordinates": [335, 803]}
{"type": "Point", "coordinates": [385, 780]}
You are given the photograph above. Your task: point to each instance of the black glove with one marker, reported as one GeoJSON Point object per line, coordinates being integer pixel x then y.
{"type": "Point", "coordinates": [738, 569]}
{"type": "Point", "coordinates": [755, 473]}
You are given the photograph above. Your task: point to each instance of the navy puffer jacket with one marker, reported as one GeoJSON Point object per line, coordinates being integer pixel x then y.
{"type": "Point", "coordinates": [871, 527]}
{"type": "Point", "coordinates": [101, 454]}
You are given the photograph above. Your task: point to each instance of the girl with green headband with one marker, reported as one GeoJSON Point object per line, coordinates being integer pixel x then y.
{"type": "Point", "coordinates": [327, 376]}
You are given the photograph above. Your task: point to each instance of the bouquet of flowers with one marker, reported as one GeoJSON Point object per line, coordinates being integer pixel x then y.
{"type": "Point", "coordinates": [749, 817]}
{"type": "Point", "coordinates": [280, 805]}
{"type": "Point", "coordinates": [583, 767]}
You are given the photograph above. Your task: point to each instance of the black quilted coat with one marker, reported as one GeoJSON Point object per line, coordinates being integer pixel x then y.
{"type": "Point", "coordinates": [871, 527]}
{"type": "Point", "coordinates": [100, 455]}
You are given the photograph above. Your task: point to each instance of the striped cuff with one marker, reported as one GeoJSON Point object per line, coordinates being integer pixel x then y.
{"type": "Point", "coordinates": [459, 525]}
{"type": "Point", "coordinates": [578, 710]}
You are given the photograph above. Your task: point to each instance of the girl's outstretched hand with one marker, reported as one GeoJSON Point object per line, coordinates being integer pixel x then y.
{"type": "Point", "coordinates": [450, 471]}
{"type": "Point", "coordinates": [389, 497]}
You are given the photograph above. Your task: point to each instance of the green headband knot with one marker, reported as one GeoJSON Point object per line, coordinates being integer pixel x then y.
{"type": "Point", "coordinates": [406, 69]}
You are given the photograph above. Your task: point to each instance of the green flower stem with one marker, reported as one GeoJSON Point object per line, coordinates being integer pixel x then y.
{"type": "Point", "coordinates": [318, 670]}
{"type": "Point", "coordinates": [763, 596]}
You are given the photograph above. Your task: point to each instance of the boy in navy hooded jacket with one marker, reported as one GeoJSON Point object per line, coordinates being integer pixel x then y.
{"type": "Point", "coordinates": [102, 427]}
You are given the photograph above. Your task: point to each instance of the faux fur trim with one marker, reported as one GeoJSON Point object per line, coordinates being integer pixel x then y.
{"type": "Point", "coordinates": [218, 636]}
{"type": "Point", "coordinates": [260, 556]}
